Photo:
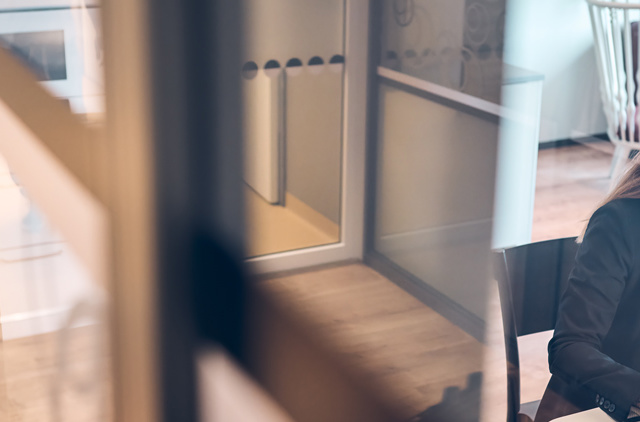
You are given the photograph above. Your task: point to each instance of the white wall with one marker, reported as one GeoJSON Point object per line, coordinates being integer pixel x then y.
{"type": "Point", "coordinates": [285, 29]}
{"type": "Point", "coordinates": [554, 38]}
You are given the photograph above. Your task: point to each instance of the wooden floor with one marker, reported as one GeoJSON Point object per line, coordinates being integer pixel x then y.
{"type": "Point", "coordinates": [411, 349]}
{"type": "Point", "coordinates": [29, 377]}
{"type": "Point", "coordinates": [380, 328]}
{"type": "Point", "coordinates": [571, 181]}
{"type": "Point", "coordinates": [395, 339]}
{"type": "Point", "coordinates": [273, 228]}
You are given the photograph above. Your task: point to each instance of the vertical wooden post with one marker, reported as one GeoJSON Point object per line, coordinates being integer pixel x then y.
{"type": "Point", "coordinates": [133, 288]}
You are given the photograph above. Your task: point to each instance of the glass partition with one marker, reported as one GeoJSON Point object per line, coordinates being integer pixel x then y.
{"type": "Point", "coordinates": [54, 348]}
{"type": "Point", "coordinates": [575, 159]}
{"type": "Point", "coordinates": [455, 45]}
{"type": "Point", "coordinates": [555, 165]}
{"type": "Point", "coordinates": [435, 117]}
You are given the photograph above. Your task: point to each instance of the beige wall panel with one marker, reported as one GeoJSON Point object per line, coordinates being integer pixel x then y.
{"type": "Point", "coordinates": [435, 201]}
{"type": "Point", "coordinates": [283, 29]}
{"type": "Point", "coordinates": [314, 139]}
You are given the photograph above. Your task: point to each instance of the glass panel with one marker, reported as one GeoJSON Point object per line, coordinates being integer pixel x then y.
{"type": "Point", "coordinates": [42, 51]}
{"type": "Point", "coordinates": [292, 82]}
{"type": "Point", "coordinates": [434, 209]}
{"type": "Point", "coordinates": [54, 350]}
{"type": "Point", "coordinates": [438, 125]}
{"type": "Point", "coordinates": [575, 156]}
{"type": "Point", "coordinates": [62, 46]}
{"type": "Point", "coordinates": [433, 217]}
{"type": "Point", "coordinates": [53, 344]}
{"type": "Point", "coordinates": [460, 49]}
{"type": "Point", "coordinates": [556, 165]}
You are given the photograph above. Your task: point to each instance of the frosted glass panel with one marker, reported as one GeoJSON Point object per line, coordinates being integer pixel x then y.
{"type": "Point", "coordinates": [454, 43]}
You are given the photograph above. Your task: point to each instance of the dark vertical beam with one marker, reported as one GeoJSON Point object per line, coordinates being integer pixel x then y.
{"type": "Point", "coordinates": [195, 51]}
{"type": "Point", "coordinates": [172, 141]}
{"type": "Point", "coordinates": [375, 43]}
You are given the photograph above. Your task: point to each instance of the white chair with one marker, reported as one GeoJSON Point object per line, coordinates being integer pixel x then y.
{"type": "Point", "coordinates": [615, 32]}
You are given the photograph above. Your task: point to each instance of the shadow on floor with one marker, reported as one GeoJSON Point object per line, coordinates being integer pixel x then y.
{"type": "Point", "coordinates": [456, 405]}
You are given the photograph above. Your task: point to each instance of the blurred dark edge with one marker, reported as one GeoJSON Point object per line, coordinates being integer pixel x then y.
{"type": "Point", "coordinates": [204, 296]}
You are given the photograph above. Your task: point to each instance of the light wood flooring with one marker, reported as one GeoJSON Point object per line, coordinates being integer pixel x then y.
{"type": "Point", "coordinates": [273, 228]}
{"type": "Point", "coordinates": [390, 335]}
{"type": "Point", "coordinates": [571, 181]}
{"type": "Point", "coordinates": [412, 350]}
{"type": "Point", "coordinates": [29, 377]}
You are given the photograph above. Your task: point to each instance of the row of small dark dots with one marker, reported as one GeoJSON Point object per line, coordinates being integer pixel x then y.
{"type": "Point", "coordinates": [294, 62]}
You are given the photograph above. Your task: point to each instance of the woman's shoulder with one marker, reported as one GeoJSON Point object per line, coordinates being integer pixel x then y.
{"type": "Point", "coordinates": [621, 212]}
{"type": "Point", "coordinates": [615, 227]}
{"type": "Point", "coordinates": [622, 204]}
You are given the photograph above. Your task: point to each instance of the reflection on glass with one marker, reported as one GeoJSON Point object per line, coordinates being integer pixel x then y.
{"type": "Point", "coordinates": [292, 88]}
{"type": "Point", "coordinates": [434, 210]}
{"type": "Point", "coordinates": [460, 49]}
{"type": "Point", "coordinates": [63, 47]}
{"type": "Point", "coordinates": [576, 169]}
{"type": "Point", "coordinates": [435, 171]}
{"type": "Point", "coordinates": [53, 354]}
{"type": "Point", "coordinates": [575, 156]}
{"type": "Point", "coordinates": [433, 218]}
{"type": "Point", "coordinates": [42, 52]}
{"type": "Point", "coordinates": [555, 166]}
{"type": "Point", "coordinates": [53, 342]}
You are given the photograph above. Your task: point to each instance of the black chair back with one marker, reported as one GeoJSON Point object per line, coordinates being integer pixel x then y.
{"type": "Point", "coordinates": [531, 279]}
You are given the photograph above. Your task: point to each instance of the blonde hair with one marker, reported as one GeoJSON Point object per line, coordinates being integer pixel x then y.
{"type": "Point", "coordinates": [627, 187]}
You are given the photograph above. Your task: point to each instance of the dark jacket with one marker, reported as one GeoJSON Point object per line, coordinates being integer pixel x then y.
{"type": "Point", "coordinates": [594, 355]}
